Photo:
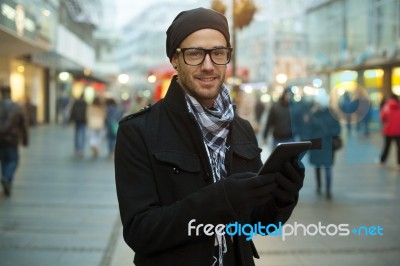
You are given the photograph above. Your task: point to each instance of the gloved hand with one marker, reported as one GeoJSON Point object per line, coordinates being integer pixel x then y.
{"type": "Point", "coordinates": [247, 190]}
{"type": "Point", "coordinates": [289, 181]}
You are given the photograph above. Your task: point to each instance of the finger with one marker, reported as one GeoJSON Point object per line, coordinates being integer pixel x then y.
{"type": "Point", "coordinates": [240, 176]}
{"type": "Point", "coordinates": [264, 199]}
{"type": "Point", "coordinates": [299, 167]}
{"type": "Point", "coordinates": [291, 173]}
{"type": "Point", "coordinates": [262, 180]}
{"type": "Point", "coordinates": [263, 192]}
{"type": "Point", "coordinates": [286, 184]}
{"type": "Point", "coordinates": [283, 196]}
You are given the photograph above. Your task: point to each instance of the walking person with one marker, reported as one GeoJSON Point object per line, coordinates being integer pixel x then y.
{"type": "Point", "coordinates": [348, 107]}
{"type": "Point", "coordinates": [279, 120]}
{"type": "Point", "coordinates": [13, 131]}
{"type": "Point", "coordinates": [96, 116]}
{"type": "Point", "coordinates": [78, 116]}
{"type": "Point", "coordinates": [113, 115]}
{"type": "Point", "coordinates": [189, 160]}
{"type": "Point", "coordinates": [323, 128]}
{"type": "Point", "coordinates": [390, 116]}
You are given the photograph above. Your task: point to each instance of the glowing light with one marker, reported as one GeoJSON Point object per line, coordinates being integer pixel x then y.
{"type": "Point", "coordinates": [151, 78]}
{"type": "Point", "coordinates": [248, 89]}
{"type": "Point", "coordinates": [317, 83]}
{"type": "Point", "coordinates": [265, 98]}
{"type": "Point", "coordinates": [46, 12]}
{"type": "Point", "coordinates": [123, 78]}
{"type": "Point", "coordinates": [396, 90]}
{"type": "Point", "coordinates": [21, 69]}
{"type": "Point", "coordinates": [281, 78]}
{"type": "Point", "coordinates": [373, 73]}
{"type": "Point", "coordinates": [125, 96]}
{"type": "Point", "coordinates": [64, 76]}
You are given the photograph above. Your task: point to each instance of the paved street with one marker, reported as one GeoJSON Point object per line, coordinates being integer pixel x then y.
{"type": "Point", "coordinates": [63, 210]}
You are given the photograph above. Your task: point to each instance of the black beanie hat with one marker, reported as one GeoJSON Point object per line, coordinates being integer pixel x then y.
{"type": "Point", "coordinates": [193, 20]}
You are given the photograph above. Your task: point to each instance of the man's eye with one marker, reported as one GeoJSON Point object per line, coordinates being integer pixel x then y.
{"type": "Point", "coordinates": [193, 53]}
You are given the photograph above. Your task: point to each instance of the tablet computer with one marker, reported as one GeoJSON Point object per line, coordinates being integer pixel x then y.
{"type": "Point", "coordinates": [283, 152]}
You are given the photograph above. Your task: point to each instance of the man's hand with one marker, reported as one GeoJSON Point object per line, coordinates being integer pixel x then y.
{"type": "Point", "coordinates": [247, 190]}
{"type": "Point", "coordinates": [289, 181]}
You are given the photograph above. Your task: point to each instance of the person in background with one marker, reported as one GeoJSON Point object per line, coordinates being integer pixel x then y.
{"type": "Point", "coordinates": [189, 160]}
{"type": "Point", "coordinates": [78, 116]}
{"type": "Point", "coordinates": [363, 112]}
{"type": "Point", "coordinates": [96, 116]}
{"type": "Point", "coordinates": [348, 108]}
{"type": "Point", "coordinates": [13, 131]}
{"type": "Point", "coordinates": [30, 111]}
{"type": "Point", "coordinates": [279, 120]}
{"type": "Point", "coordinates": [63, 104]}
{"type": "Point", "coordinates": [113, 115]}
{"type": "Point", "coordinates": [390, 116]}
{"type": "Point", "coordinates": [323, 126]}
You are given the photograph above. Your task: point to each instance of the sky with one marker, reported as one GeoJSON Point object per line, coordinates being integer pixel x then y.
{"type": "Point", "coordinates": [127, 9]}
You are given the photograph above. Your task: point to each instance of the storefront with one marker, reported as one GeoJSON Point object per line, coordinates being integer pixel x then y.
{"type": "Point", "coordinates": [21, 35]}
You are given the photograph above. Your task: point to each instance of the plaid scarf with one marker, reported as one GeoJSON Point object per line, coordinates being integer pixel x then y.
{"type": "Point", "coordinates": [214, 125]}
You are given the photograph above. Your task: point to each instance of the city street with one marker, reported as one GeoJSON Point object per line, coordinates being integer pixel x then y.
{"type": "Point", "coordinates": [63, 210]}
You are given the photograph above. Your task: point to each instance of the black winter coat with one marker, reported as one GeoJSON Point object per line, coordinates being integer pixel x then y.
{"type": "Point", "coordinates": [163, 180]}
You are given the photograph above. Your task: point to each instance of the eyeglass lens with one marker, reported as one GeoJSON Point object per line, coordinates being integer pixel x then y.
{"type": "Point", "coordinates": [196, 56]}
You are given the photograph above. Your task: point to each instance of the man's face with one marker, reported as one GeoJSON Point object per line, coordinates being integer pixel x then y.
{"type": "Point", "coordinates": [204, 81]}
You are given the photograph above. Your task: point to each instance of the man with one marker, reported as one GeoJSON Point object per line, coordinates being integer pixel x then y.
{"type": "Point", "coordinates": [78, 116]}
{"type": "Point", "coordinates": [279, 121]}
{"type": "Point", "coordinates": [13, 129]}
{"type": "Point", "coordinates": [189, 161]}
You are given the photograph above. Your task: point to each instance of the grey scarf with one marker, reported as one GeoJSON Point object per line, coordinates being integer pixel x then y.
{"type": "Point", "coordinates": [214, 125]}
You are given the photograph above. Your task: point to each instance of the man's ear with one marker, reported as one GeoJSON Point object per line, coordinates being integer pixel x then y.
{"type": "Point", "coordinates": [174, 61]}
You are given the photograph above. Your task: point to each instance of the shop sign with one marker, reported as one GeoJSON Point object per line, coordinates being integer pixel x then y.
{"type": "Point", "coordinates": [13, 16]}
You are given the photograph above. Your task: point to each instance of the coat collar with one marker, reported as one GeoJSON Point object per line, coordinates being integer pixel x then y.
{"type": "Point", "coordinates": [175, 97]}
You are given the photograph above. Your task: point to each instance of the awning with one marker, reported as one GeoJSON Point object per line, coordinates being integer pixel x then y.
{"type": "Point", "coordinates": [13, 46]}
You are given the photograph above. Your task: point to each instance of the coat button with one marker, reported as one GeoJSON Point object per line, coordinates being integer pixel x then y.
{"type": "Point", "coordinates": [175, 170]}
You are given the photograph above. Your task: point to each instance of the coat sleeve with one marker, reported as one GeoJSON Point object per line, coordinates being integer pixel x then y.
{"type": "Point", "coordinates": [149, 227]}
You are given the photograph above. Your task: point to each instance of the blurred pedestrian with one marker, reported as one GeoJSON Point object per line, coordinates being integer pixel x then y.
{"type": "Point", "coordinates": [363, 112]}
{"type": "Point", "coordinates": [113, 115]}
{"type": "Point", "coordinates": [63, 105]}
{"type": "Point", "coordinates": [189, 160]}
{"type": "Point", "coordinates": [348, 107]}
{"type": "Point", "coordinates": [323, 128]}
{"type": "Point", "coordinates": [279, 120]}
{"type": "Point", "coordinates": [30, 111]}
{"type": "Point", "coordinates": [78, 116]}
{"type": "Point", "coordinates": [96, 116]}
{"type": "Point", "coordinates": [390, 116]}
{"type": "Point", "coordinates": [13, 131]}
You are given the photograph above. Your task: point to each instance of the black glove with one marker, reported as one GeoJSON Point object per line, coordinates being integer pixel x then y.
{"type": "Point", "coordinates": [289, 181]}
{"type": "Point", "coordinates": [247, 190]}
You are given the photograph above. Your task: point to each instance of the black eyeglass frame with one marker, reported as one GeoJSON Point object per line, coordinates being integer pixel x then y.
{"type": "Point", "coordinates": [206, 52]}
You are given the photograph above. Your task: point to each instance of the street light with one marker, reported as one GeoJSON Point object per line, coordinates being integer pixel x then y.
{"type": "Point", "coordinates": [123, 80]}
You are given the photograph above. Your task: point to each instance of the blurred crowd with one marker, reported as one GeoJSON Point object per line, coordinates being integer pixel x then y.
{"type": "Point", "coordinates": [95, 120]}
{"type": "Point", "coordinates": [322, 118]}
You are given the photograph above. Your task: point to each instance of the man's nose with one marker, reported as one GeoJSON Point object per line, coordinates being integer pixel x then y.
{"type": "Point", "coordinates": [207, 63]}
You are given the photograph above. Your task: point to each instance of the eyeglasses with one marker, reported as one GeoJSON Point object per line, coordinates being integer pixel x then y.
{"type": "Point", "coordinates": [196, 56]}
